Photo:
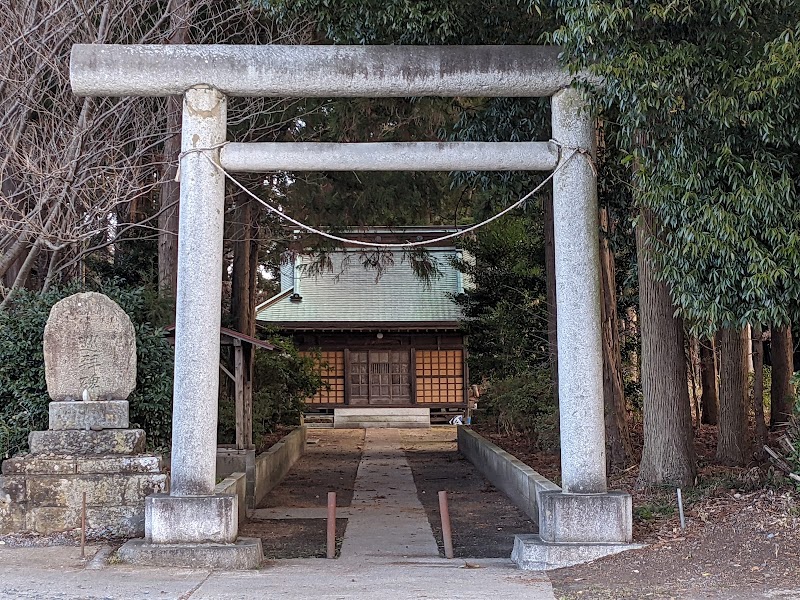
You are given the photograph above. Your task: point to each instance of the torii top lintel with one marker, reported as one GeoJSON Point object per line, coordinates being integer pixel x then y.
{"type": "Point", "coordinates": [318, 71]}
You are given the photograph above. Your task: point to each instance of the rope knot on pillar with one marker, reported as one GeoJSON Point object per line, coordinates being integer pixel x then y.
{"type": "Point", "coordinates": [575, 150]}
{"type": "Point", "coordinates": [205, 152]}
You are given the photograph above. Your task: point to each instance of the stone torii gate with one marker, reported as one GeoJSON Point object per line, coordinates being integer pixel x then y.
{"type": "Point", "coordinates": [193, 526]}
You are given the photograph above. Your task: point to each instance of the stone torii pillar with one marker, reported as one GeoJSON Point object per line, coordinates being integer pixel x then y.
{"type": "Point", "coordinates": [192, 525]}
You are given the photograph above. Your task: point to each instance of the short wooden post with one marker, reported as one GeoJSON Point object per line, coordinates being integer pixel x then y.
{"type": "Point", "coordinates": [447, 532]}
{"type": "Point", "coordinates": [83, 526]}
{"type": "Point", "coordinates": [331, 525]}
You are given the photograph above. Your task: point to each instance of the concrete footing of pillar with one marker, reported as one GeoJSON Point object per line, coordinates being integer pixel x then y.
{"type": "Point", "coordinates": [193, 532]}
{"type": "Point", "coordinates": [568, 518]}
{"type": "Point", "coordinates": [191, 519]}
{"type": "Point", "coordinates": [244, 553]}
{"type": "Point", "coordinates": [533, 554]}
{"type": "Point", "coordinates": [576, 528]}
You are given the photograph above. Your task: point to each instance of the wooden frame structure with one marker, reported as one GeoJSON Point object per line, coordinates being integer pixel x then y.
{"type": "Point", "coordinates": [242, 380]}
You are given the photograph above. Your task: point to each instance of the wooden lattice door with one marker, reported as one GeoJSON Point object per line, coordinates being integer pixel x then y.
{"type": "Point", "coordinates": [380, 377]}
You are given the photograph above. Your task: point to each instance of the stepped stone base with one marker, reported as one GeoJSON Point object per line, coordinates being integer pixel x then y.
{"type": "Point", "coordinates": [362, 418]}
{"type": "Point", "coordinates": [108, 414]}
{"type": "Point", "coordinates": [81, 442]}
{"type": "Point", "coordinates": [44, 494]}
{"type": "Point", "coordinates": [245, 553]}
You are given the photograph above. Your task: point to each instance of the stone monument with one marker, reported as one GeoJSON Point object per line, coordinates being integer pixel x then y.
{"type": "Point", "coordinates": [90, 368]}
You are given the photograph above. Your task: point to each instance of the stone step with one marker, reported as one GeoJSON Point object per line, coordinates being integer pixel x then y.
{"type": "Point", "coordinates": [382, 424]}
{"type": "Point", "coordinates": [379, 418]}
{"type": "Point", "coordinates": [108, 441]}
{"type": "Point", "coordinates": [368, 417]}
{"type": "Point", "coordinates": [372, 411]}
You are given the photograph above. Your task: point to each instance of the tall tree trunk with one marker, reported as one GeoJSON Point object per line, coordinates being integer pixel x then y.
{"type": "Point", "coordinates": [550, 272]}
{"type": "Point", "coordinates": [668, 454]}
{"type": "Point", "coordinates": [782, 391]}
{"type": "Point", "coordinates": [618, 438]}
{"type": "Point", "coordinates": [240, 280]}
{"type": "Point", "coordinates": [748, 349]}
{"type": "Point", "coordinates": [255, 247]}
{"type": "Point", "coordinates": [708, 381]}
{"type": "Point", "coordinates": [758, 390]}
{"type": "Point", "coordinates": [693, 352]}
{"type": "Point", "coordinates": [732, 438]}
{"type": "Point", "coordinates": [169, 195]}
{"type": "Point", "coordinates": [243, 292]}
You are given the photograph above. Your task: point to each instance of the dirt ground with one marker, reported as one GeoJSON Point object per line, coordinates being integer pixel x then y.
{"type": "Point", "coordinates": [741, 538]}
{"type": "Point", "coordinates": [484, 521]}
{"type": "Point", "coordinates": [329, 465]}
{"type": "Point", "coordinates": [293, 538]}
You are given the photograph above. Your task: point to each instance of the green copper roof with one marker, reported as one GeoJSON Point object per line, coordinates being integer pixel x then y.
{"type": "Point", "coordinates": [351, 293]}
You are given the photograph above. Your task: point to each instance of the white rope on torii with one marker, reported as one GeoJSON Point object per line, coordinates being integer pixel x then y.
{"type": "Point", "coordinates": [402, 245]}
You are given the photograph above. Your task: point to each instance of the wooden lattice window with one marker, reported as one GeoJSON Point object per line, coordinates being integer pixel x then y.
{"type": "Point", "coordinates": [440, 376]}
{"type": "Point", "coordinates": [331, 368]}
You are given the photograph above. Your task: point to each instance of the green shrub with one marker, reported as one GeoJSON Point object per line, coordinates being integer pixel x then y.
{"type": "Point", "coordinates": [522, 403]}
{"type": "Point", "coordinates": [282, 381]}
{"type": "Point", "coordinates": [23, 391]}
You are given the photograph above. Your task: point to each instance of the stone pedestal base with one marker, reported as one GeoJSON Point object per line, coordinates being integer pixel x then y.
{"type": "Point", "coordinates": [44, 493]}
{"type": "Point", "coordinates": [86, 443]}
{"type": "Point", "coordinates": [245, 553]}
{"type": "Point", "coordinates": [533, 554]}
{"type": "Point", "coordinates": [191, 519]}
{"type": "Point", "coordinates": [585, 518]}
{"type": "Point", "coordinates": [105, 414]}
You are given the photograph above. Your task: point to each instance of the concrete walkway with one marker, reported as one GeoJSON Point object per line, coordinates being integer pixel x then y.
{"type": "Point", "coordinates": [386, 517]}
{"type": "Point", "coordinates": [388, 551]}
{"type": "Point", "coordinates": [58, 573]}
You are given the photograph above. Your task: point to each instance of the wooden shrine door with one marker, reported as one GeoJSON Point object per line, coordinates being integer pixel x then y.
{"type": "Point", "coordinates": [380, 377]}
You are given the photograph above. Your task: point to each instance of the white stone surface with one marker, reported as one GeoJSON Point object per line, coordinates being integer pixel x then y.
{"type": "Point", "coordinates": [530, 553]}
{"type": "Point", "coordinates": [318, 70]}
{"type": "Point", "coordinates": [58, 572]}
{"type": "Point", "coordinates": [586, 518]}
{"type": "Point", "coordinates": [413, 579]}
{"type": "Point", "coordinates": [198, 303]}
{"type": "Point", "coordinates": [89, 344]}
{"type": "Point", "coordinates": [389, 156]}
{"type": "Point", "coordinates": [577, 262]}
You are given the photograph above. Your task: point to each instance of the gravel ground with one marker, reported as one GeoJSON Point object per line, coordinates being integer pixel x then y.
{"type": "Point", "coordinates": [33, 540]}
